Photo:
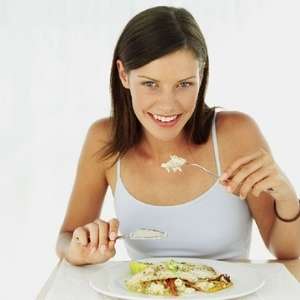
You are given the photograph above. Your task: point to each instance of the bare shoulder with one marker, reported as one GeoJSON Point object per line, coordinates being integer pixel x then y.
{"type": "Point", "coordinates": [235, 121]}
{"type": "Point", "coordinates": [99, 134]}
{"type": "Point", "coordinates": [90, 182]}
{"type": "Point", "coordinates": [241, 130]}
{"type": "Point", "coordinates": [101, 129]}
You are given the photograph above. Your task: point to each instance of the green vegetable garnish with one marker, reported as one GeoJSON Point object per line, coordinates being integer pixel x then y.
{"type": "Point", "coordinates": [172, 265]}
{"type": "Point", "coordinates": [136, 266]}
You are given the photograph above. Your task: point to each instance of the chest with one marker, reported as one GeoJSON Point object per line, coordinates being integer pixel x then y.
{"type": "Point", "coordinates": [158, 187]}
{"type": "Point", "coordinates": [212, 226]}
{"type": "Point", "coordinates": [151, 184]}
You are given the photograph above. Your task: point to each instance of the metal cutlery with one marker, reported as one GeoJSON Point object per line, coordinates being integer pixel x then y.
{"type": "Point", "coordinates": [144, 234]}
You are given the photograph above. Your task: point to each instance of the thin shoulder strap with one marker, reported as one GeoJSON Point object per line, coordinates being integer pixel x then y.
{"type": "Point", "coordinates": [215, 144]}
{"type": "Point", "coordinates": [118, 169]}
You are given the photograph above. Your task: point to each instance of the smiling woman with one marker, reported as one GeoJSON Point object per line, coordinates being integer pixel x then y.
{"type": "Point", "coordinates": [169, 100]}
{"type": "Point", "coordinates": [166, 59]}
{"type": "Point", "coordinates": [159, 76]}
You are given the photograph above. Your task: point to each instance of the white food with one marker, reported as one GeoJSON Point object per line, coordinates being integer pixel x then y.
{"type": "Point", "coordinates": [176, 278]}
{"type": "Point", "coordinates": [174, 164]}
{"type": "Point", "coordinates": [144, 233]}
{"type": "Point", "coordinates": [156, 289]}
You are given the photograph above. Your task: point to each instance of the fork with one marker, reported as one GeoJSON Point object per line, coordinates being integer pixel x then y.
{"type": "Point", "coordinates": [215, 175]}
{"type": "Point", "coordinates": [175, 163]}
{"type": "Point", "coordinates": [203, 169]}
{"type": "Point", "coordinates": [140, 234]}
{"type": "Point", "coordinates": [135, 236]}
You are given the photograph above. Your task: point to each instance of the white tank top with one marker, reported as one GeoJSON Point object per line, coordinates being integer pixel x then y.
{"type": "Point", "coordinates": [216, 225]}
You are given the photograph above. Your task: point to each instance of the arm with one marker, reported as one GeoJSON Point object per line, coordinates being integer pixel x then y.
{"type": "Point", "coordinates": [251, 174]}
{"type": "Point", "coordinates": [281, 238]}
{"type": "Point", "coordinates": [89, 187]}
{"type": "Point", "coordinates": [284, 237]}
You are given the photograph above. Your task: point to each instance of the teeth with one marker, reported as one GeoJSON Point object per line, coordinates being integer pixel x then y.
{"type": "Point", "coordinates": [164, 119]}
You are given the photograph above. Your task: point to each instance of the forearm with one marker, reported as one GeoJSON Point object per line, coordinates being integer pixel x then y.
{"type": "Point", "coordinates": [284, 240]}
{"type": "Point", "coordinates": [63, 243]}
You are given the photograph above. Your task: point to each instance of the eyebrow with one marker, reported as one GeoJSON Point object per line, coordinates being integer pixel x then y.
{"type": "Point", "coordinates": [142, 76]}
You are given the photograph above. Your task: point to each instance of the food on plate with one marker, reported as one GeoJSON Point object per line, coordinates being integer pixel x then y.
{"type": "Point", "coordinates": [136, 266]}
{"type": "Point", "coordinates": [175, 278]}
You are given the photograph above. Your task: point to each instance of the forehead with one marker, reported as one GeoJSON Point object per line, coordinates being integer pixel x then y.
{"type": "Point", "coordinates": [171, 66]}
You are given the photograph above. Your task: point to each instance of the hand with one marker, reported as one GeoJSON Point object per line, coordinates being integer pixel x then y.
{"type": "Point", "coordinates": [93, 243]}
{"type": "Point", "coordinates": [256, 173]}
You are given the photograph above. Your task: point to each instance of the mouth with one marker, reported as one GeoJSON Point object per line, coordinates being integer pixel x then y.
{"type": "Point", "coordinates": [164, 120]}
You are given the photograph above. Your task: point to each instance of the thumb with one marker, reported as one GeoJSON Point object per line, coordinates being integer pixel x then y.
{"type": "Point", "coordinates": [111, 245]}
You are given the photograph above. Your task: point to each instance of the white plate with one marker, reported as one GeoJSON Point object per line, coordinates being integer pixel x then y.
{"type": "Point", "coordinates": [110, 280]}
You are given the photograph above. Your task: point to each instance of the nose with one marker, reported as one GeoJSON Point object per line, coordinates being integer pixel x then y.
{"type": "Point", "coordinates": [167, 98]}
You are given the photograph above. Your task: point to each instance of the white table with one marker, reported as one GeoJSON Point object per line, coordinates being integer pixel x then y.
{"type": "Point", "coordinates": [71, 282]}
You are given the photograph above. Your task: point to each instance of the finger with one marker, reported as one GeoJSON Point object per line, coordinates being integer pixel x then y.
{"type": "Point", "coordinates": [244, 172]}
{"type": "Point", "coordinates": [111, 245]}
{"type": "Point", "coordinates": [252, 180]}
{"type": "Point", "coordinates": [113, 228]}
{"type": "Point", "coordinates": [81, 235]}
{"type": "Point", "coordinates": [265, 185]}
{"type": "Point", "coordinates": [238, 163]}
{"type": "Point", "coordinates": [103, 234]}
{"type": "Point", "coordinates": [93, 229]}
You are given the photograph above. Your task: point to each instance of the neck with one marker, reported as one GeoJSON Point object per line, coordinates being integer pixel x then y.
{"type": "Point", "coordinates": [157, 151]}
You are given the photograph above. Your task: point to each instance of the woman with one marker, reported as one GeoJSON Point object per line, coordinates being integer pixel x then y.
{"type": "Point", "coordinates": [158, 80]}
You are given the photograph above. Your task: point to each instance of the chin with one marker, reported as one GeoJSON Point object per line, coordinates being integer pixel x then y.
{"type": "Point", "coordinates": [165, 137]}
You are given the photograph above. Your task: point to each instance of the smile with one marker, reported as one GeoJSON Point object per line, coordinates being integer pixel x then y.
{"type": "Point", "coordinates": [165, 120]}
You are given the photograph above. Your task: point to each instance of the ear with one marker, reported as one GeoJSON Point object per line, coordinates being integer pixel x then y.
{"type": "Point", "coordinates": [122, 74]}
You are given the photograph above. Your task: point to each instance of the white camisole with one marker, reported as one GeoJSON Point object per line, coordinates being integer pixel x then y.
{"type": "Point", "coordinates": [216, 224]}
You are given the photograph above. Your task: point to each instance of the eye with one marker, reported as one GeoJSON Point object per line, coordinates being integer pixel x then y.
{"type": "Point", "coordinates": [185, 84]}
{"type": "Point", "coordinates": [150, 84]}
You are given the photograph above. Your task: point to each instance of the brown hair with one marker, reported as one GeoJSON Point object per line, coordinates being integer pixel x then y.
{"type": "Point", "coordinates": [149, 35]}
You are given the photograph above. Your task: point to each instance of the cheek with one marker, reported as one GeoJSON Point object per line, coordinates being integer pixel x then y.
{"type": "Point", "coordinates": [140, 99]}
{"type": "Point", "coordinates": [188, 100]}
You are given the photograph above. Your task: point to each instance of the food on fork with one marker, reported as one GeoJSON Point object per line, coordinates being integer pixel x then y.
{"type": "Point", "coordinates": [174, 164]}
{"type": "Point", "coordinates": [175, 278]}
{"type": "Point", "coordinates": [147, 233]}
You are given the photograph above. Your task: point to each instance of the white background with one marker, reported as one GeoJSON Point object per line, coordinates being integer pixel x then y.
{"type": "Point", "coordinates": [54, 71]}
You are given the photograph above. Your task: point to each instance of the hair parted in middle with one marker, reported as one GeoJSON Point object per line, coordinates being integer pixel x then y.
{"type": "Point", "coordinates": [149, 35]}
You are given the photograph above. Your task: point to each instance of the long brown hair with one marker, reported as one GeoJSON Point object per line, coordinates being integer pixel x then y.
{"type": "Point", "coordinates": [149, 35]}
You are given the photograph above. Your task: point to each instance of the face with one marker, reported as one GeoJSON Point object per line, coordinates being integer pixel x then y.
{"type": "Point", "coordinates": [164, 92]}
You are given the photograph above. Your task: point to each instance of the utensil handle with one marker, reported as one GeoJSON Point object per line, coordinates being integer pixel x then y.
{"type": "Point", "coordinates": [204, 169]}
{"type": "Point", "coordinates": [124, 236]}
